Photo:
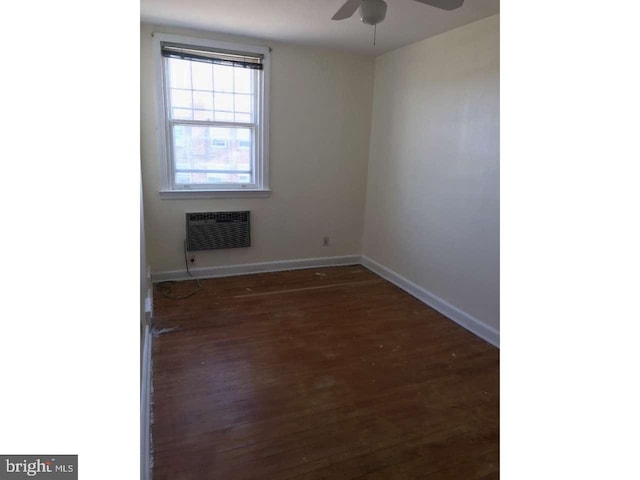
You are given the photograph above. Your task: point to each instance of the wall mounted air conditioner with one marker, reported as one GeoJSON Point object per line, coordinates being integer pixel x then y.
{"type": "Point", "coordinates": [213, 230]}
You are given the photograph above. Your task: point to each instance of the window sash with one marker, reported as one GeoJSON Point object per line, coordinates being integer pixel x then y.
{"type": "Point", "coordinates": [200, 186]}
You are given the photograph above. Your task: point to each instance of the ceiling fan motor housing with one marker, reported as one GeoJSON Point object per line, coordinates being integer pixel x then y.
{"type": "Point", "coordinates": [373, 12]}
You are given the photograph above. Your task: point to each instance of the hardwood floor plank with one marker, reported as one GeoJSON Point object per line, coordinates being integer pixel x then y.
{"type": "Point", "coordinates": [318, 373]}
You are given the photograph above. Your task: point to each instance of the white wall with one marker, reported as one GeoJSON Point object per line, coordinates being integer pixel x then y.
{"type": "Point", "coordinates": [319, 139]}
{"type": "Point", "coordinates": [432, 211]}
{"type": "Point", "coordinates": [144, 287]}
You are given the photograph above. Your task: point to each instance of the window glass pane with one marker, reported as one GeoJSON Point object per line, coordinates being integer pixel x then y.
{"type": "Point", "coordinates": [202, 75]}
{"type": "Point", "coordinates": [178, 135]}
{"type": "Point", "coordinates": [223, 78]}
{"type": "Point", "coordinates": [243, 103]}
{"type": "Point", "coordinates": [180, 98]}
{"type": "Point", "coordinates": [181, 114]}
{"type": "Point", "coordinates": [243, 80]}
{"type": "Point", "coordinates": [203, 100]}
{"type": "Point", "coordinates": [244, 138]}
{"type": "Point", "coordinates": [179, 73]}
{"type": "Point", "coordinates": [224, 116]}
{"type": "Point", "coordinates": [204, 155]}
{"type": "Point", "coordinates": [203, 115]}
{"type": "Point", "coordinates": [243, 117]}
{"type": "Point", "coordinates": [224, 102]}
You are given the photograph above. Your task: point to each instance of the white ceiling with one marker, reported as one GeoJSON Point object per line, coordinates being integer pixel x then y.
{"type": "Point", "coordinates": [308, 22]}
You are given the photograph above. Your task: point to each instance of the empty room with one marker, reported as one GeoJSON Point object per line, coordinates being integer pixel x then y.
{"type": "Point", "coordinates": [320, 238]}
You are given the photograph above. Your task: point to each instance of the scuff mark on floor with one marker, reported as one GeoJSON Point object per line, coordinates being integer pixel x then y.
{"type": "Point", "coordinates": [156, 332]}
{"type": "Point", "coordinates": [324, 382]}
{"type": "Point", "coordinates": [304, 289]}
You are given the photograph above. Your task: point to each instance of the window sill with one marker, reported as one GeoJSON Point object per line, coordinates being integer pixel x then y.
{"type": "Point", "coordinates": [189, 194]}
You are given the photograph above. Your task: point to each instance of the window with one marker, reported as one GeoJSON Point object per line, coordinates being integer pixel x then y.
{"type": "Point", "coordinates": [212, 117]}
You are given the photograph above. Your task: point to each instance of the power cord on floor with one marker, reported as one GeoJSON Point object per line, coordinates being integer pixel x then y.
{"type": "Point", "coordinates": [165, 289]}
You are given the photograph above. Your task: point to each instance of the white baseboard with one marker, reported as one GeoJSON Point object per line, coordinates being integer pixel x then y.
{"type": "Point", "coordinates": [233, 270]}
{"type": "Point", "coordinates": [145, 406]}
{"type": "Point", "coordinates": [462, 318]}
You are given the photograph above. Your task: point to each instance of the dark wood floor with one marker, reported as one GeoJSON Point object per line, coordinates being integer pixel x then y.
{"type": "Point", "coordinates": [318, 374]}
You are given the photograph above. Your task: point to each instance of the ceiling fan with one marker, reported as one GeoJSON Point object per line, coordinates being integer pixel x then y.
{"type": "Point", "coordinates": [373, 12]}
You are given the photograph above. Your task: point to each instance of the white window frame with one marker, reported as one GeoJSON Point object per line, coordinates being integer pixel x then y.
{"type": "Point", "coordinates": [168, 188]}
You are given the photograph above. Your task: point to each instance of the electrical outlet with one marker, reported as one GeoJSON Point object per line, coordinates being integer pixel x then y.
{"type": "Point", "coordinates": [325, 242]}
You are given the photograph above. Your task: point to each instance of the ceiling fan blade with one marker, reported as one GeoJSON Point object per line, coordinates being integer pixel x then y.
{"type": "Point", "coordinates": [444, 4]}
{"type": "Point", "coordinates": [348, 9]}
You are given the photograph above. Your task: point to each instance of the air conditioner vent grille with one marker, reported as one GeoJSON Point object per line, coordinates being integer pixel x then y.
{"type": "Point", "coordinates": [214, 230]}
